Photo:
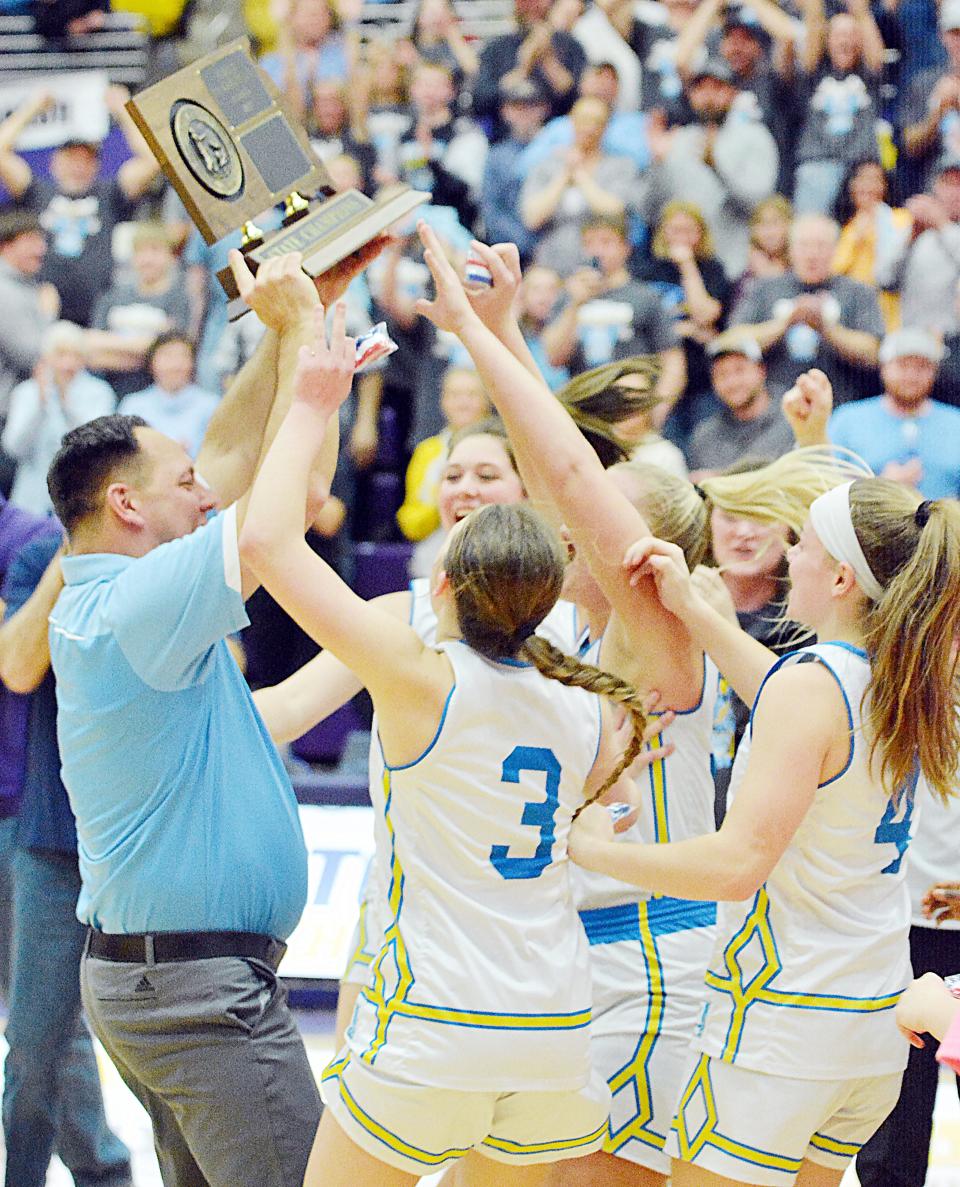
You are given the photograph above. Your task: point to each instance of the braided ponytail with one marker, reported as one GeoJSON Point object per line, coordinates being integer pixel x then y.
{"type": "Point", "coordinates": [552, 663]}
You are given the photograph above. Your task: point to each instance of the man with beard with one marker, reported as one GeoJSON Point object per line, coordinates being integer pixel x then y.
{"type": "Point", "coordinates": [726, 161]}
{"type": "Point", "coordinates": [750, 423]}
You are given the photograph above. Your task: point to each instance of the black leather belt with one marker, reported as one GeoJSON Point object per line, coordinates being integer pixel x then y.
{"type": "Point", "coordinates": [170, 946]}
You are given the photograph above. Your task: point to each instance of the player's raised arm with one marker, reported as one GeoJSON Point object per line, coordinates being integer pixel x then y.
{"type": "Point", "coordinates": [363, 636]}
{"type": "Point", "coordinates": [547, 443]}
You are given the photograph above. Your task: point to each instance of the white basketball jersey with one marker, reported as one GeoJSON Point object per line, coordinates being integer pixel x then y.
{"type": "Point", "coordinates": [482, 982]}
{"type": "Point", "coordinates": [677, 794]}
{"type": "Point", "coordinates": [561, 627]}
{"type": "Point", "coordinates": [805, 975]}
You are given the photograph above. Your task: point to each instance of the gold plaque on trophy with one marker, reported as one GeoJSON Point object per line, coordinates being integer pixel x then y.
{"type": "Point", "coordinates": [231, 151]}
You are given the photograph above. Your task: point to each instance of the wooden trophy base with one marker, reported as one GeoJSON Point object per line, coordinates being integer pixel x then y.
{"type": "Point", "coordinates": [327, 233]}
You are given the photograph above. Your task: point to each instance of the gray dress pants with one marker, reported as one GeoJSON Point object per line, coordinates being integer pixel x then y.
{"type": "Point", "coordinates": [212, 1052]}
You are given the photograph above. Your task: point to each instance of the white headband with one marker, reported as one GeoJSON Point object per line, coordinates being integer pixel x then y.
{"type": "Point", "coordinates": [830, 517]}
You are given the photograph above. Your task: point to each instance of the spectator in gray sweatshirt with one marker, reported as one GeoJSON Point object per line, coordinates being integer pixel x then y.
{"type": "Point", "coordinates": [726, 162]}
{"type": "Point", "coordinates": [929, 266]}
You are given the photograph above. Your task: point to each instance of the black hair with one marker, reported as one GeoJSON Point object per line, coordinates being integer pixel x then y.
{"type": "Point", "coordinates": [165, 339]}
{"type": "Point", "coordinates": [85, 461]}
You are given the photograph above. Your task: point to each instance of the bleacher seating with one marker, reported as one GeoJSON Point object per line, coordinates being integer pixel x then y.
{"type": "Point", "coordinates": [120, 49]}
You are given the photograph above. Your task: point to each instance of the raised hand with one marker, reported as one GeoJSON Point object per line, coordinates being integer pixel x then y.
{"type": "Point", "coordinates": [324, 372]}
{"type": "Point", "coordinates": [494, 304]}
{"type": "Point", "coordinates": [942, 901]}
{"type": "Point", "coordinates": [807, 407]}
{"type": "Point", "coordinates": [450, 308]}
{"type": "Point", "coordinates": [281, 293]}
{"type": "Point", "coordinates": [665, 563]}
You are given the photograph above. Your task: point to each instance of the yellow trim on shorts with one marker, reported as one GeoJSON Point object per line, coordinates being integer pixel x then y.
{"type": "Point", "coordinates": [658, 790]}
{"type": "Point", "coordinates": [829, 1145]}
{"type": "Point", "coordinates": [381, 1133]}
{"type": "Point", "coordinates": [636, 1069]}
{"type": "Point", "coordinates": [510, 1147]}
{"type": "Point", "coordinates": [708, 1134]}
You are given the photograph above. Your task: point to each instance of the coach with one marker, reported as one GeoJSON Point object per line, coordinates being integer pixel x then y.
{"type": "Point", "coordinates": [192, 860]}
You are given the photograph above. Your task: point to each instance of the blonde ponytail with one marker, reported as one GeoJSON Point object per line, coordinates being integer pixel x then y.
{"type": "Point", "coordinates": [551, 662]}
{"type": "Point", "coordinates": [782, 491]}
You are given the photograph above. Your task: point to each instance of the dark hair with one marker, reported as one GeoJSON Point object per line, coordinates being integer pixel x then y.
{"type": "Point", "coordinates": [14, 221]}
{"type": "Point", "coordinates": [86, 460]}
{"type": "Point", "coordinates": [505, 566]}
{"type": "Point", "coordinates": [843, 206]}
{"type": "Point", "coordinates": [490, 426]}
{"type": "Point", "coordinates": [165, 339]}
{"type": "Point", "coordinates": [597, 401]}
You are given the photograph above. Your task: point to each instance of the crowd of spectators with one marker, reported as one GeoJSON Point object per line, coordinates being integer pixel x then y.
{"type": "Point", "coordinates": [746, 190]}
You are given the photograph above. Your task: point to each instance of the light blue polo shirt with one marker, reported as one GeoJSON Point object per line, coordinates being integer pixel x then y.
{"type": "Point", "coordinates": [186, 819]}
{"type": "Point", "coordinates": [869, 428]}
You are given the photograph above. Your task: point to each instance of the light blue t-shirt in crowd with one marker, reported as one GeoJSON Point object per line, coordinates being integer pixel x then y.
{"type": "Point", "coordinates": [182, 415]}
{"type": "Point", "coordinates": [871, 429]}
{"type": "Point", "coordinates": [186, 819]}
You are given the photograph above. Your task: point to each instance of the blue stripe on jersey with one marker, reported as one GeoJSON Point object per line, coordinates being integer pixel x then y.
{"type": "Point", "coordinates": [433, 741]}
{"type": "Point", "coordinates": [609, 925]}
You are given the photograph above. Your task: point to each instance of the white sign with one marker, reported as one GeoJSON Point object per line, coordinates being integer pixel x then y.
{"type": "Point", "coordinates": [339, 848]}
{"type": "Point", "coordinates": [79, 111]}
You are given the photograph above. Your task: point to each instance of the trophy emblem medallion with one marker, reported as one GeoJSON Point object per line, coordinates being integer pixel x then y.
{"type": "Point", "coordinates": [207, 149]}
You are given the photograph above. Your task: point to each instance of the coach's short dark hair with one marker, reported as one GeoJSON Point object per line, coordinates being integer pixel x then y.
{"type": "Point", "coordinates": [85, 461]}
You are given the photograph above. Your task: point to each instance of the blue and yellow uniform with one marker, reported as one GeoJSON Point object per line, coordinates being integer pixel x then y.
{"type": "Point", "coordinates": [804, 978]}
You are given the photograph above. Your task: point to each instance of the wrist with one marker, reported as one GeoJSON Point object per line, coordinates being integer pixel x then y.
{"type": "Point", "coordinates": [307, 417]}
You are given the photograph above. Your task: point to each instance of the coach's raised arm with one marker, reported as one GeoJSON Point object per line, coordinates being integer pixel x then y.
{"type": "Point", "coordinates": [193, 864]}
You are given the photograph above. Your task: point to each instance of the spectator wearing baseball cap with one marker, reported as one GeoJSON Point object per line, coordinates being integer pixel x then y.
{"type": "Point", "coordinates": [76, 206]}
{"type": "Point", "coordinates": [725, 161]}
{"type": "Point", "coordinates": [749, 422]}
{"type": "Point", "coordinates": [28, 307]}
{"type": "Point", "coordinates": [523, 110]}
{"type": "Point", "coordinates": [742, 37]}
{"type": "Point", "coordinates": [903, 433]}
{"type": "Point", "coordinates": [930, 109]}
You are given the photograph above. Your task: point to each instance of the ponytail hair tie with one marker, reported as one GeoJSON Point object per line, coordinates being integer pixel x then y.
{"type": "Point", "coordinates": [522, 634]}
{"type": "Point", "coordinates": [922, 513]}
{"type": "Point", "coordinates": [700, 491]}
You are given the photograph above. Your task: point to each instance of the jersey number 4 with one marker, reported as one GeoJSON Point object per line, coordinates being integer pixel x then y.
{"type": "Point", "coordinates": [894, 828]}
{"type": "Point", "coordinates": [536, 813]}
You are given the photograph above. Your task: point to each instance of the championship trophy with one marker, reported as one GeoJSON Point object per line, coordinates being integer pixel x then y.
{"type": "Point", "coordinates": [231, 151]}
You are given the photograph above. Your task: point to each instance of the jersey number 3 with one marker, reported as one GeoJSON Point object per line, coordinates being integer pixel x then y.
{"type": "Point", "coordinates": [537, 813]}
